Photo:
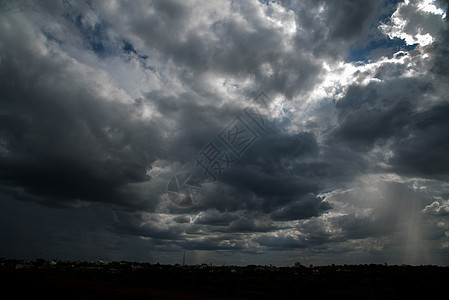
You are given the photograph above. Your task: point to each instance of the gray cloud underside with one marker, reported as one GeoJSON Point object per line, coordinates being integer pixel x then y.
{"type": "Point", "coordinates": [76, 133]}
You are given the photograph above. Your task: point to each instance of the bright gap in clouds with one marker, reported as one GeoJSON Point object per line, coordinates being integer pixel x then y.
{"type": "Point", "coordinates": [400, 26]}
{"type": "Point", "coordinates": [429, 6]}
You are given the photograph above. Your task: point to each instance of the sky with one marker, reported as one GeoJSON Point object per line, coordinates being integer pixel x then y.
{"type": "Point", "coordinates": [240, 132]}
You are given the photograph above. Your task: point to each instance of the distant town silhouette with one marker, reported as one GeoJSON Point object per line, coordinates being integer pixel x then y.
{"type": "Point", "coordinates": [74, 279]}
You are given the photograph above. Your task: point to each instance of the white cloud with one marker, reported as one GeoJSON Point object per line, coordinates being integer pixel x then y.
{"type": "Point", "coordinates": [414, 22]}
{"type": "Point", "coordinates": [430, 7]}
{"type": "Point", "coordinates": [438, 207]}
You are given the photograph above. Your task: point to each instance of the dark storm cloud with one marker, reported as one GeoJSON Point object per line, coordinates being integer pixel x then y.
{"type": "Point", "coordinates": [235, 222]}
{"type": "Point", "coordinates": [165, 31]}
{"type": "Point", "coordinates": [210, 243]}
{"type": "Point", "coordinates": [73, 134]}
{"type": "Point", "coordinates": [440, 48]}
{"type": "Point", "coordinates": [182, 219]}
{"type": "Point", "coordinates": [230, 46]}
{"type": "Point", "coordinates": [390, 208]}
{"type": "Point", "coordinates": [196, 123]}
{"type": "Point", "coordinates": [397, 111]}
{"type": "Point", "coordinates": [309, 206]}
{"type": "Point", "coordinates": [263, 178]}
{"type": "Point", "coordinates": [371, 116]}
{"type": "Point", "coordinates": [154, 226]}
{"type": "Point", "coordinates": [69, 145]}
{"type": "Point", "coordinates": [281, 243]}
{"type": "Point", "coordinates": [250, 224]}
{"type": "Point", "coordinates": [214, 217]}
{"type": "Point", "coordinates": [329, 26]}
{"type": "Point", "coordinates": [358, 227]}
{"type": "Point", "coordinates": [172, 16]}
{"type": "Point", "coordinates": [425, 153]}
{"type": "Point", "coordinates": [349, 19]}
{"type": "Point", "coordinates": [366, 115]}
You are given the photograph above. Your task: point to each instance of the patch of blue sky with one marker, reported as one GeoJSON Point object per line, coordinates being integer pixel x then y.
{"type": "Point", "coordinates": [128, 48]}
{"type": "Point", "coordinates": [326, 192]}
{"type": "Point", "coordinates": [389, 8]}
{"type": "Point", "coordinates": [286, 120]}
{"type": "Point", "coordinates": [375, 48]}
{"type": "Point", "coordinates": [51, 38]}
{"type": "Point", "coordinates": [95, 36]}
{"type": "Point", "coordinates": [267, 2]}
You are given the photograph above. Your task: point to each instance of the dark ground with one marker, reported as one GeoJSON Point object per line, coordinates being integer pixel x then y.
{"type": "Point", "coordinates": [125, 280]}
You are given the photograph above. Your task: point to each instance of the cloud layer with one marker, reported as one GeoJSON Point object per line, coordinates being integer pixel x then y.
{"type": "Point", "coordinates": [101, 103]}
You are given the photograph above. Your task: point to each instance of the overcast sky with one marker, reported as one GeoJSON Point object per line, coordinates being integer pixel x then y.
{"type": "Point", "coordinates": [346, 159]}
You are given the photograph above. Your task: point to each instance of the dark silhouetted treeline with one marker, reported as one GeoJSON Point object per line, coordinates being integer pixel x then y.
{"type": "Point", "coordinates": [40, 279]}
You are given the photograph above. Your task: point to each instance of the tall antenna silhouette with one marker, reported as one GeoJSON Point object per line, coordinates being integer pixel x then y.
{"type": "Point", "coordinates": [184, 259]}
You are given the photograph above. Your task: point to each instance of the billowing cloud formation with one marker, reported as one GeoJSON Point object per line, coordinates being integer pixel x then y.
{"type": "Point", "coordinates": [438, 208]}
{"type": "Point", "coordinates": [102, 103]}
